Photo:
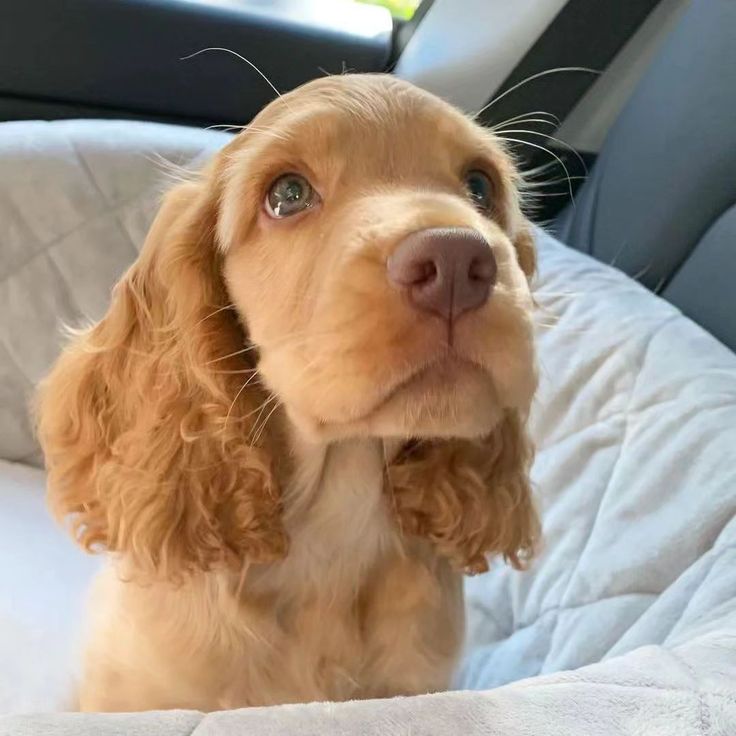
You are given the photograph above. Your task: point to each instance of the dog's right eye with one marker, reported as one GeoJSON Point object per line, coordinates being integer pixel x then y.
{"type": "Point", "coordinates": [288, 195]}
{"type": "Point", "coordinates": [480, 189]}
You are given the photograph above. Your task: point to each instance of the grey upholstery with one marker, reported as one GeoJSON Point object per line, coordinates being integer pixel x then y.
{"type": "Point", "coordinates": [704, 288]}
{"type": "Point", "coordinates": [659, 202]}
{"type": "Point", "coordinates": [76, 200]}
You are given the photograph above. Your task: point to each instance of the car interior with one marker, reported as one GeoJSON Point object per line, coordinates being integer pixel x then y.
{"type": "Point", "coordinates": [146, 70]}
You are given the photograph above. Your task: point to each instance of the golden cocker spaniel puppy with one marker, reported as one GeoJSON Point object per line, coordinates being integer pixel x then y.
{"type": "Point", "coordinates": [302, 418]}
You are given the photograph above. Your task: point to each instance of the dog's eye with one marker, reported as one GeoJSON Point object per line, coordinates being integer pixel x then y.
{"type": "Point", "coordinates": [480, 189]}
{"type": "Point", "coordinates": [289, 194]}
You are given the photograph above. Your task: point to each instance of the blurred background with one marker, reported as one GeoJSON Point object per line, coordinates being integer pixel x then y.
{"type": "Point", "coordinates": [404, 9]}
{"type": "Point", "coordinates": [146, 59]}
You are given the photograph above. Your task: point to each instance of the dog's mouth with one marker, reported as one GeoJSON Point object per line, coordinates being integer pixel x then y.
{"type": "Point", "coordinates": [449, 396]}
{"type": "Point", "coordinates": [445, 373]}
{"type": "Point", "coordinates": [424, 387]}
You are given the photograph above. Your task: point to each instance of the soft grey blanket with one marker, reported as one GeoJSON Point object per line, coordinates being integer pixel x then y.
{"type": "Point", "coordinates": [626, 624]}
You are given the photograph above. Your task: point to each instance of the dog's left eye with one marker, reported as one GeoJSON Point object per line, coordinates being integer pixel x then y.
{"type": "Point", "coordinates": [288, 195]}
{"type": "Point", "coordinates": [480, 189]}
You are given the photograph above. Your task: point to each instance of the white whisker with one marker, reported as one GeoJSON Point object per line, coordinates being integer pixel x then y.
{"type": "Point", "coordinates": [292, 340]}
{"type": "Point", "coordinates": [258, 435]}
{"type": "Point", "coordinates": [552, 138]}
{"type": "Point", "coordinates": [534, 195]}
{"type": "Point", "coordinates": [234, 372]}
{"type": "Point", "coordinates": [251, 434]}
{"type": "Point", "coordinates": [642, 272]}
{"type": "Point", "coordinates": [212, 314]}
{"type": "Point", "coordinates": [550, 182]}
{"type": "Point", "coordinates": [175, 172]}
{"type": "Point", "coordinates": [516, 118]}
{"type": "Point", "coordinates": [524, 121]}
{"type": "Point", "coordinates": [237, 395]}
{"type": "Point", "coordinates": [230, 128]}
{"type": "Point", "coordinates": [246, 349]}
{"type": "Point", "coordinates": [538, 75]}
{"type": "Point", "coordinates": [242, 58]}
{"type": "Point", "coordinates": [554, 155]}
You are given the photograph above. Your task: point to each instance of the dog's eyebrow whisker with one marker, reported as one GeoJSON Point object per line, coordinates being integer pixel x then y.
{"type": "Point", "coordinates": [556, 140]}
{"type": "Point", "coordinates": [551, 153]}
{"type": "Point", "coordinates": [227, 127]}
{"type": "Point", "coordinates": [550, 182]}
{"type": "Point", "coordinates": [534, 195]}
{"type": "Point", "coordinates": [525, 121]}
{"type": "Point", "coordinates": [239, 56]}
{"type": "Point", "coordinates": [527, 115]}
{"type": "Point", "coordinates": [530, 175]}
{"type": "Point", "coordinates": [531, 78]}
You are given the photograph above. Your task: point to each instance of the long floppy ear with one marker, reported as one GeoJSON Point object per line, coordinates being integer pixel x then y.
{"type": "Point", "coordinates": [143, 420]}
{"type": "Point", "coordinates": [470, 499]}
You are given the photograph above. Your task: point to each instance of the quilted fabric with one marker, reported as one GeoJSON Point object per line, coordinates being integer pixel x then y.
{"type": "Point", "coordinates": [635, 423]}
{"type": "Point", "coordinates": [626, 623]}
{"type": "Point", "coordinates": [76, 199]}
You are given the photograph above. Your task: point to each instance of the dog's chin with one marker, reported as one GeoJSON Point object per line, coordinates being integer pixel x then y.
{"type": "Point", "coordinates": [448, 399]}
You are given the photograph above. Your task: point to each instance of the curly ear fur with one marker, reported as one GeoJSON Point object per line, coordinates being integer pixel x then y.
{"type": "Point", "coordinates": [470, 498]}
{"type": "Point", "coordinates": [144, 437]}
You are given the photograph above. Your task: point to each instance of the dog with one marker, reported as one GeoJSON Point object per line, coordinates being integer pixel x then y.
{"type": "Point", "coordinates": [303, 417]}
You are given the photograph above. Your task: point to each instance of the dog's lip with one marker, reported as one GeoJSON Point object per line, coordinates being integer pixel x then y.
{"type": "Point", "coordinates": [449, 363]}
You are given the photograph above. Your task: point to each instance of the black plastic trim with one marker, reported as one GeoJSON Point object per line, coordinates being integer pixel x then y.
{"type": "Point", "coordinates": [125, 55]}
{"type": "Point", "coordinates": [583, 34]}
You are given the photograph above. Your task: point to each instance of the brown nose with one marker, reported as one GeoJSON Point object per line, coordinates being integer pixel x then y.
{"type": "Point", "coordinates": [446, 271]}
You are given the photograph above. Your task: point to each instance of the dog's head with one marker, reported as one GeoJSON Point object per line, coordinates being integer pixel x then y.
{"type": "Point", "coordinates": [373, 245]}
{"type": "Point", "coordinates": [356, 259]}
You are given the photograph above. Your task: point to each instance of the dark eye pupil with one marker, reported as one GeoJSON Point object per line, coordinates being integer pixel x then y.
{"type": "Point", "coordinates": [292, 190]}
{"type": "Point", "coordinates": [479, 189]}
{"type": "Point", "coordinates": [290, 194]}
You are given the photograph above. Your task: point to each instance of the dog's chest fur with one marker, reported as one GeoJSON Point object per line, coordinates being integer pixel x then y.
{"type": "Point", "coordinates": [338, 519]}
{"type": "Point", "coordinates": [351, 612]}
{"type": "Point", "coordinates": [316, 610]}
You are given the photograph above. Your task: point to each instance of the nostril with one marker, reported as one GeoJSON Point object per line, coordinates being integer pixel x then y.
{"type": "Point", "coordinates": [426, 272]}
{"type": "Point", "coordinates": [483, 268]}
{"type": "Point", "coordinates": [412, 271]}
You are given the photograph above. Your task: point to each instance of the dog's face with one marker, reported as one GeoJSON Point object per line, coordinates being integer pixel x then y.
{"type": "Point", "coordinates": [375, 251]}
{"type": "Point", "coordinates": [370, 239]}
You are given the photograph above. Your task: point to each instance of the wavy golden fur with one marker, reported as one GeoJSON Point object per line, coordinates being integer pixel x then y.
{"type": "Point", "coordinates": [289, 467]}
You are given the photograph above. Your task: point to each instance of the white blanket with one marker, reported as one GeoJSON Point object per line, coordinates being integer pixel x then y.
{"type": "Point", "coordinates": [626, 624]}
